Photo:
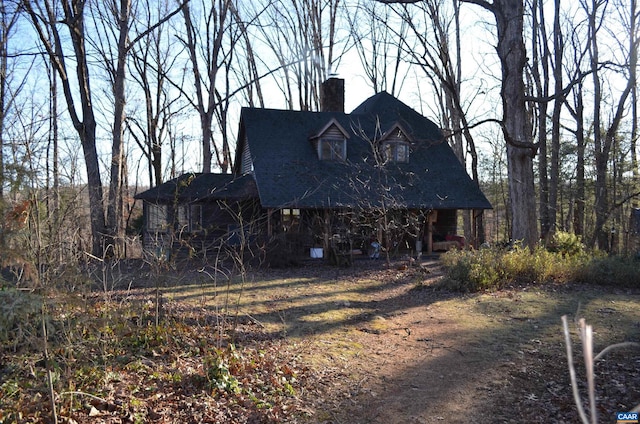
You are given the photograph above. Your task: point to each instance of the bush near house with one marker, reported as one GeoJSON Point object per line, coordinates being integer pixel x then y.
{"type": "Point", "coordinates": [565, 260]}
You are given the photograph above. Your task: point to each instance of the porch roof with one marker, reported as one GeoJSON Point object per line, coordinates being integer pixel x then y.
{"type": "Point", "coordinates": [193, 187]}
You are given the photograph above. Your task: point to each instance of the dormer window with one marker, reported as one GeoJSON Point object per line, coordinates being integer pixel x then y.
{"type": "Point", "coordinates": [396, 151]}
{"type": "Point", "coordinates": [331, 141]}
{"type": "Point", "coordinates": [396, 145]}
{"type": "Point", "coordinates": [332, 149]}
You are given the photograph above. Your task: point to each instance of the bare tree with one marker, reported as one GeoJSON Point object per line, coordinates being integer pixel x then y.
{"type": "Point", "coordinates": [376, 42]}
{"type": "Point", "coordinates": [207, 54]}
{"type": "Point", "coordinates": [302, 36]}
{"type": "Point", "coordinates": [114, 21]}
{"type": "Point", "coordinates": [539, 68]}
{"type": "Point", "coordinates": [53, 161]}
{"type": "Point", "coordinates": [633, 25]}
{"type": "Point", "coordinates": [152, 62]}
{"type": "Point", "coordinates": [574, 104]}
{"type": "Point", "coordinates": [516, 123]}
{"type": "Point", "coordinates": [558, 102]}
{"type": "Point", "coordinates": [604, 139]}
{"type": "Point", "coordinates": [45, 18]}
{"type": "Point", "coordinates": [547, 70]}
{"type": "Point", "coordinates": [9, 14]}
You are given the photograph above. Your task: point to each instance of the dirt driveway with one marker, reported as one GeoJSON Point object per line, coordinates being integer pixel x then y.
{"type": "Point", "coordinates": [385, 347]}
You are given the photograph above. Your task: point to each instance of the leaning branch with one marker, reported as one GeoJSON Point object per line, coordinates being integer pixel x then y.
{"type": "Point", "coordinates": [477, 124]}
{"type": "Point", "coordinates": [520, 144]}
{"type": "Point", "coordinates": [156, 25]}
{"type": "Point", "coordinates": [562, 94]}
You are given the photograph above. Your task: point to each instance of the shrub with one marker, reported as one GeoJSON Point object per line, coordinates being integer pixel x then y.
{"type": "Point", "coordinates": [619, 271]}
{"type": "Point", "coordinates": [20, 318]}
{"type": "Point", "coordinates": [471, 271]}
{"type": "Point", "coordinates": [217, 367]}
{"type": "Point", "coordinates": [492, 269]}
{"type": "Point", "coordinates": [567, 244]}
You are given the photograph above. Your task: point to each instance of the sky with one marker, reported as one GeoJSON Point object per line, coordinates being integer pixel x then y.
{"type": "Point", "coordinates": [480, 89]}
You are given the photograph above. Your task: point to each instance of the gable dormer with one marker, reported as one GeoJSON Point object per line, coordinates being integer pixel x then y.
{"type": "Point", "coordinates": [395, 144]}
{"type": "Point", "coordinates": [330, 142]}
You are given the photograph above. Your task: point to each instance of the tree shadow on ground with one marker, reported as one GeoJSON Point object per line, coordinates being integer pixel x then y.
{"type": "Point", "coordinates": [508, 368]}
{"type": "Point", "coordinates": [397, 350]}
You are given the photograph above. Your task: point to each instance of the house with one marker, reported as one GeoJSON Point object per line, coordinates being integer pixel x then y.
{"type": "Point", "coordinates": [331, 180]}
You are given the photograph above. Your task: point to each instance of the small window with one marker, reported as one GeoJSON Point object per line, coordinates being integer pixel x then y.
{"type": "Point", "coordinates": [196, 218]}
{"type": "Point", "coordinates": [189, 218]}
{"type": "Point", "coordinates": [182, 218]}
{"type": "Point", "coordinates": [290, 218]}
{"type": "Point", "coordinates": [332, 149]}
{"type": "Point", "coordinates": [396, 152]}
{"type": "Point", "coordinates": [156, 217]}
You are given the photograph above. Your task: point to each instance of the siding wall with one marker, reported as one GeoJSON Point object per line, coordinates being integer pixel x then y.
{"type": "Point", "coordinates": [220, 228]}
{"type": "Point", "coordinates": [247, 162]}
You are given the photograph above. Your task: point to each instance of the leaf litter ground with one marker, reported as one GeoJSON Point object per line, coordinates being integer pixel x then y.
{"type": "Point", "coordinates": [317, 344]}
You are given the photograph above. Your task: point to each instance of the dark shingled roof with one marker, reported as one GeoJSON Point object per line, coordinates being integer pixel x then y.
{"type": "Point", "coordinates": [288, 172]}
{"type": "Point", "coordinates": [193, 187]}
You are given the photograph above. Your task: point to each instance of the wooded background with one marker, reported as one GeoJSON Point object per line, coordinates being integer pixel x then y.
{"type": "Point", "coordinates": [99, 99]}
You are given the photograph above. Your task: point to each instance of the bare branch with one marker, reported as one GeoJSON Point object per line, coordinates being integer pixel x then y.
{"type": "Point", "coordinates": [615, 346]}
{"type": "Point", "coordinates": [157, 24]}
{"type": "Point", "coordinates": [562, 94]}
{"type": "Point", "coordinates": [572, 371]}
{"type": "Point", "coordinates": [398, 1]}
{"type": "Point", "coordinates": [482, 3]}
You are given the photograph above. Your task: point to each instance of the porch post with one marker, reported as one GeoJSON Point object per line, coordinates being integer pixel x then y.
{"type": "Point", "coordinates": [269, 224]}
{"type": "Point", "coordinates": [327, 225]}
{"type": "Point", "coordinates": [431, 218]}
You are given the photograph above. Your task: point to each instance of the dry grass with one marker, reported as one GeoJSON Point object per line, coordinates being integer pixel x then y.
{"type": "Point", "coordinates": [318, 344]}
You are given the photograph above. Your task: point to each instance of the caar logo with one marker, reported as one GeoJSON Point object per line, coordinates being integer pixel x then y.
{"type": "Point", "coordinates": [626, 417]}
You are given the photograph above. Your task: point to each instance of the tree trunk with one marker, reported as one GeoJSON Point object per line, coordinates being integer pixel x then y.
{"type": "Point", "coordinates": [634, 105]}
{"type": "Point", "coordinates": [114, 211]}
{"type": "Point", "coordinates": [4, 44]}
{"type": "Point", "coordinates": [601, 204]}
{"type": "Point", "coordinates": [554, 178]}
{"type": "Point", "coordinates": [3, 105]}
{"type": "Point", "coordinates": [604, 142]}
{"type": "Point", "coordinates": [94, 186]}
{"type": "Point", "coordinates": [517, 126]}
{"type": "Point", "coordinates": [578, 220]}
{"type": "Point", "coordinates": [541, 58]}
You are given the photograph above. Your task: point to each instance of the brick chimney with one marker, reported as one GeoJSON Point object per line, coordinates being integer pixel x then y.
{"type": "Point", "coordinates": [332, 95]}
